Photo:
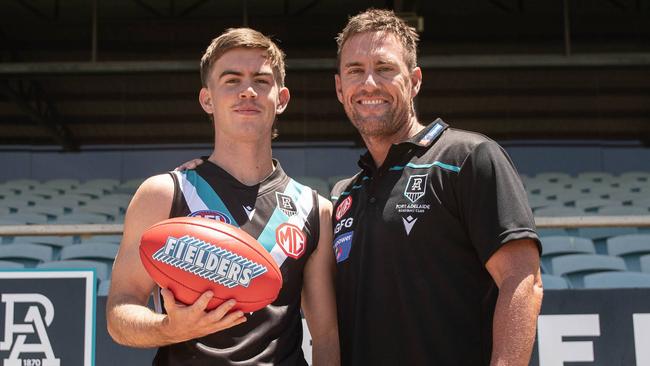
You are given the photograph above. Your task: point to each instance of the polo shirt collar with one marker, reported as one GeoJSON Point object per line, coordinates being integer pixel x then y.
{"type": "Point", "coordinates": [424, 138]}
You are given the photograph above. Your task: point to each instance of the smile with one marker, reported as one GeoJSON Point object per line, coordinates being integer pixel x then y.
{"type": "Point", "coordinates": [371, 101]}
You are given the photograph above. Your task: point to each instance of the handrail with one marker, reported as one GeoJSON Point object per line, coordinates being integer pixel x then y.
{"type": "Point", "coordinates": [541, 222]}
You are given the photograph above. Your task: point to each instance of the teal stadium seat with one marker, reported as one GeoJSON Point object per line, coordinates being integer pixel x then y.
{"type": "Point", "coordinates": [554, 282]}
{"type": "Point", "coordinates": [612, 280]}
{"type": "Point", "coordinates": [26, 253]}
{"type": "Point", "coordinates": [630, 248]}
{"type": "Point", "coordinates": [554, 246]}
{"type": "Point", "coordinates": [102, 270]}
{"type": "Point", "coordinates": [575, 266]}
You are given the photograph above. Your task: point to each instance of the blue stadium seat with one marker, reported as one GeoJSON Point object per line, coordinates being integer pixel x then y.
{"type": "Point", "coordinates": [102, 270]}
{"type": "Point", "coordinates": [116, 239]}
{"type": "Point", "coordinates": [553, 177]}
{"type": "Point", "coordinates": [104, 287]}
{"type": "Point", "coordinates": [575, 266]}
{"type": "Point", "coordinates": [599, 235]}
{"type": "Point", "coordinates": [554, 246]}
{"type": "Point", "coordinates": [630, 248]}
{"type": "Point", "coordinates": [595, 176]}
{"type": "Point", "coordinates": [621, 210]}
{"type": "Point", "coordinates": [104, 252]}
{"type": "Point", "coordinates": [644, 263]}
{"type": "Point", "coordinates": [559, 212]}
{"type": "Point", "coordinates": [63, 184]}
{"type": "Point", "coordinates": [610, 280]}
{"type": "Point", "coordinates": [10, 265]}
{"type": "Point", "coordinates": [555, 231]}
{"type": "Point", "coordinates": [635, 176]}
{"type": "Point", "coordinates": [81, 218]}
{"type": "Point", "coordinates": [130, 186]}
{"type": "Point", "coordinates": [26, 253]}
{"type": "Point", "coordinates": [554, 282]}
{"type": "Point", "coordinates": [49, 240]}
{"type": "Point", "coordinates": [28, 218]}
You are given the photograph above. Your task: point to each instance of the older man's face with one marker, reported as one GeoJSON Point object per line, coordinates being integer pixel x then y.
{"type": "Point", "coordinates": [375, 86]}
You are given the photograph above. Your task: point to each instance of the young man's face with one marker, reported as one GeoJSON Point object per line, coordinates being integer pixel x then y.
{"type": "Point", "coordinates": [242, 95]}
{"type": "Point", "coordinates": [375, 86]}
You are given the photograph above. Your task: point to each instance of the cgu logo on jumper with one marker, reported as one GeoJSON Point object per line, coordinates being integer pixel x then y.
{"type": "Point", "coordinates": [33, 326]}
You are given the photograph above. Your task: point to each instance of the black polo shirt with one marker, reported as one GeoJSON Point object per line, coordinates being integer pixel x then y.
{"type": "Point", "coordinates": [412, 238]}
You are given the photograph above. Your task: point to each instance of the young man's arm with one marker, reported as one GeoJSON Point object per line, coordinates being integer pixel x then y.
{"type": "Point", "coordinates": [515, 269]}
{"type": "Point", "coordinates": [318, 297]}
{"type": "Point", "coordinates": [129, 321]}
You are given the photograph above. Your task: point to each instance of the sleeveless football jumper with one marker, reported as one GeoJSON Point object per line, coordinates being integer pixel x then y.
{"type": "Point", "coordinates": [268, 212]}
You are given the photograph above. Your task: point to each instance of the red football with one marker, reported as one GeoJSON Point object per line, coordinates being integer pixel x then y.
{"type": "Point", "coordinates": [190, 255]}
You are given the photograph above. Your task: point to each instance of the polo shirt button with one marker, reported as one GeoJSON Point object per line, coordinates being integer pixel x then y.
{"type": "Point", "coordinates": [372, 200]}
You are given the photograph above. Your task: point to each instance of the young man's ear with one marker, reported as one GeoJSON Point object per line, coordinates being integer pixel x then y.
{"type": "Point", "coordinates": [283, 100]}
{"type": "Point", "coordinates": [206, 101]}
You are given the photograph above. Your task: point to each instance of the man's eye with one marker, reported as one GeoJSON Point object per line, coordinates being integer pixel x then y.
{"type": "Point", "coordinates": [262, 81]}
{"type": "Point", "coordinates": [231, 81]}
{"type": "Point", "coordinates": [354, 71]}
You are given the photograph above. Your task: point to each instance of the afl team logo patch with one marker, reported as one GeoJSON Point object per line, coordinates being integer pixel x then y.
{"type": "Point", "coordinates": [416, 187]}
{"type": "Point", "coordinates": [343, 207]}
{"type": "Point", "coordinates": [342, 246]}
{"type": "Point", "coordinates": [211, 214]}
{"type": "Point", "coordinates": [291, 239]}
{"type": "Point", "coordinates": [286, 204]}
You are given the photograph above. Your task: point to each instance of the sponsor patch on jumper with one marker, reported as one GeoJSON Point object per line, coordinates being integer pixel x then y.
{"type": "Point", "coordinates": [342, 246]}
{"type": "Point", "coordinates": [416, 187]}
{"type": "Point", "coordinates": [344, 207]}
{"type": "Point", "coordinates": [209, 261]}
{"type": "Point", "coordinates": [212, 214]}
{"type": "Point", "coordinates": [291, 240]}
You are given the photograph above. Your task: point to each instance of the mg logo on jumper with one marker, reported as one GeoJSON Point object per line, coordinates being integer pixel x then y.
{"type": "Point", "coordinates": [291, 239]}
{"type": "Point", "coordinates": [416, 187]}
{"type": "Point", "coordinates": [285, 204]}
{"type": "Point", "coordinates": [28, 325]}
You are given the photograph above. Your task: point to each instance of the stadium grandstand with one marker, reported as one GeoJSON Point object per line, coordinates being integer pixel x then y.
{"type": "Point", "coordinates": [95, 96]}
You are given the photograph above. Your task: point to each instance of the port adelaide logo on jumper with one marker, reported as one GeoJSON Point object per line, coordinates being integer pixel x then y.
{"type": "Point", "coordinates": [286, 204]}
{"type": "Point", "coordinates": [416, 187]}
{"type": "Point", "coordinates": [209, 261]}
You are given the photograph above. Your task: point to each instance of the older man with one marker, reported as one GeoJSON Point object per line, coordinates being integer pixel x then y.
{"type": "Point", "coordinates": [437, 255]}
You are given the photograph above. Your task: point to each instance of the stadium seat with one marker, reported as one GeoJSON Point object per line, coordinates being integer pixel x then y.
{"type": "Point", "coordinates": [610, 280]}
{"type": "Point", "coordinates": [5, 211]}
{"type": "Point", "coordinates": [110, 211]}
{"type": "Point", "coordinates": [130, 186]}
{"type": "Point", "coordinates": [556, 231]}
{"type": "Point", "coordinates": [44, 192]}
{"type": "Point", "coordinates": [553, 177]}
{"type": "Point", "coordinates": [554, 246]}
{"type": "Point", "coordinates": [635, 176]}
{"type": "Point", "coordinates": [49, 240]}
{"type": "Point", "coordinates": [104, 287]}
{"type": "Point", "coordinates": [26, 253]}
{"type": "Point", "coordinates": [81, 218]}
{"type": "Point", "coordinates": [620, 210]}
{"type": "Point", "coordinates": [22, 184]}
{"type": "Point", "coordinates": [62, 184]}
{"type": "Point", "coordinates": [22, 200]}
{"type": "Point", "coordinates": [74, 199]}
{"type": "Point", "coordinates": [558, 212]}
{"type": "Point", "coordinates": [103, 252]}
{"type": "Point", "coordinates": [595, 176]}
{"type": "Point", "coordinates": [28, 218]}
{"type": "Point", "coordinates": [644, 263]}
{"type": "Point", "coordinates": [593, 204]}
{"type": "Point", "coordinates": [554, 282]}
{"type": "Point", "coordinates": [575, 266]}
{"type": "Point", "coordinates": [599, 235]}
{"type": "Point", "coordinates": [642, 202]}
{"type": "Point", "coordinates": [626, 197]}
{"type": "Point", "coordinates": [102, 239]}
{"type": "Point", "coordinates": [102, 270]}
{"type": "Point", "coordinates": [44, 209]}
{"type": "Point", "coordinates": [104, 183]}
{"type": "Point", "coordinates": [10, 265]}
{"type": "Point", "coordinates": [120, 200]}
{"type": "Point", "coordinates": [536, 202]}
{"type": "Point", "coordinates": [92, 192]}
{"type": "Point", "coordinates": [630, 248]}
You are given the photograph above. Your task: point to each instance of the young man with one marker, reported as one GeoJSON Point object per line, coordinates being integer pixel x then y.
{"type": "Point", "coordinates": [437, 255]}
{"type": "Point", "coordinates": [242, 73]}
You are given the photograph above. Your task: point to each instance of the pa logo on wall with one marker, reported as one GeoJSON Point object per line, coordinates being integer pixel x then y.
{"type": "Point", "coordinates": [47, 318]}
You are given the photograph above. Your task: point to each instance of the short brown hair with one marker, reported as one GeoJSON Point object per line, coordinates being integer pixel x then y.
{"type": "Point", "coordinates": [381, 20]}
{"type": "Point", "coordinates": [242, 38]}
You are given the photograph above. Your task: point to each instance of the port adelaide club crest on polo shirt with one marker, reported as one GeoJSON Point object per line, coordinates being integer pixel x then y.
{"type": "Point", "coordinates": [415, 190]}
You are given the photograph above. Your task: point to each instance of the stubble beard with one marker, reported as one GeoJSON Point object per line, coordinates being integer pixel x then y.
{"type": "Point", "coordinates": [384, 125]}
